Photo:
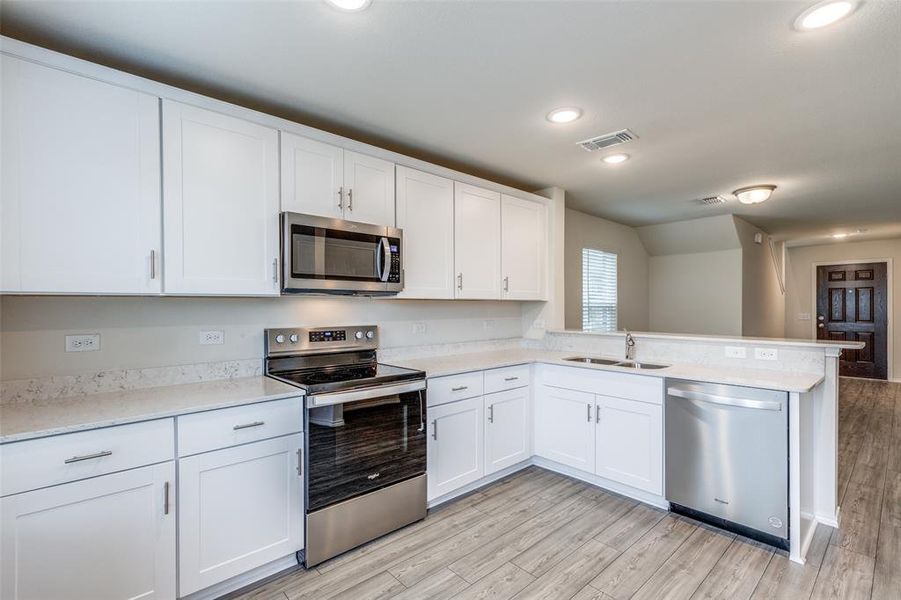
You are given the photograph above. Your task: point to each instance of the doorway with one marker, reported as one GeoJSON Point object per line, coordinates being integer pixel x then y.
{"type": "Point", "coordinates": [852, 305]}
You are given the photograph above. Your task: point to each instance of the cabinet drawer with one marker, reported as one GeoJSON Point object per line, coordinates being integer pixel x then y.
{"type": "Point", "coordinates": [454, 387]}
{"type": "Point", "coordinates": [498, 380]}
{"type": "Point", "coordinates": [644, 388]}
{"type": "Point", "coordinates": [49, 461]}
{"type": "Point", "coordinates": [202, 432]}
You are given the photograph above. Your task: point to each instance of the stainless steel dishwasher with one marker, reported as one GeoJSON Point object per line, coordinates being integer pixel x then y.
{"type": "Point", "coordinates": [727, 457]}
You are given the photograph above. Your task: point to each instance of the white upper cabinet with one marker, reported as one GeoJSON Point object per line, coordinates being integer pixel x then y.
{"type": "Point", "coordinates": [523, 249]}
{"type": "Point", "coordinates": [327, 181]}
{"type": "Point", "coordinates": [312, 177]}
{"type": "Point", "coordinates": [220, 203]}
{"type": "Point", "coordinates": [425, 211]}
{"type": "Point", "coordinates": [80, 206]}
{"type": "Point", "coordinates": [369, 189]}
{"type": "Point", "coordinates": [477, 251]}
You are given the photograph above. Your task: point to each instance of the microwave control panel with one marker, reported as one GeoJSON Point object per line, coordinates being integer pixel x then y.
{"type": "Point", "coordinates": [394, 274]}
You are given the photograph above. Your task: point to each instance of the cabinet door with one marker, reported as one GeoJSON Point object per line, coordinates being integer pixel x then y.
{"type": "Point", "coordinates": [629, 443]}
{"type": "Point", "coordinates": [220, 203]}
{"type": "Point", "coordinates": [312, 177]}
{"type": "Point", "coordinates": [455, 446]}
{"type": "Point", "coordinates": [477, 248]}
{"type": "Point", "coordinates": [110, 537]}
{"type": "Point", "coordinates": [564, 427]}
{"type": "Point", "coordinates": [508, 429]}
{"type": "Point", "coordinates": [425, 211]}
{"type": "Point", "coordinates": [80, 207]}
{"type": "Point", "coordinates": [240, 508]}
{"type": "Point", "coordinates": [369, 183]}
{"type": "Point", "coordinates": [523, 249]}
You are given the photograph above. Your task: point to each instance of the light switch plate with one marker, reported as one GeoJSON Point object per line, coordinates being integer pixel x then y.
{"type": "Point", "coordinates": [736, 352]}
{"type": "Point", "coordinates": [419, 327]}
{"type": "Point", "coordinates": [803, 316]}
{"type": "Point", "coordinates": [89, 342]}
{"type": "Point", "coordinates": [766, 354]}
{"type": "Point", "coordinates": [211, 338]}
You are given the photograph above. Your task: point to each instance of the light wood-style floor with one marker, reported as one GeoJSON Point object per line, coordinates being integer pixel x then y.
{"type": "Point", "coordinates": [537, 534]}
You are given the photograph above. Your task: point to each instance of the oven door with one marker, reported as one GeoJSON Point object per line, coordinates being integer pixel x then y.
{"type": "Point", "coordinates": [337, 256]}
{"type": "Point", "coordinates": [362, 445]}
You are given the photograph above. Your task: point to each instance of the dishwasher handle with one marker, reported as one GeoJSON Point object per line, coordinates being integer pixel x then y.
{"type": "Point", "coordinates": [724, 400]}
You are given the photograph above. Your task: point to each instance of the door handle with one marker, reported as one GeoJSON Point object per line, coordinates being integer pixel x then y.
{"type": "Point", "coordinates": [341, 197]}
{"type": "Point", "coordinates": [100, 454]}
{"type": "Point", "coordinates": [300, 462]}
{"type": "Point", "coordinates": [597, 413]}
{"type": "Point", "coordinates": [249, 425]}
{"type": "Point", "coordinates": [460, 389]}
{"type": "Point", "coordinates": [589, 412]}
{"type": "Point", "coordinates": [166, 498]}
{"type": "Point", "coordinates": [459, 281]}
{"type": "Point", "coordinates": [724, 400]}
{"type": "Point", "coordinates": [435, 430]}
{"type": "Point", "coordinates": [507, 283]}
{"type": "Point", "coordinates": [350, 199]}
{"type": "Point", "coordinates": [491, 413]}
{"type": "Point", "coordinates": [275, 271]}
{"type": "Point", "coordinates": [383, 259]}
{"type": "Point", "coordinates": [820, 325]}
{"type": "Point", "coordinates": [153, 264]}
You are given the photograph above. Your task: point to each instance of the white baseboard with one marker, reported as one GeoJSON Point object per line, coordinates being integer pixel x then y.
{"type": "Point", "coordinates": [601, 482]}
{"type": "Point", "coordinates": [466, 489]}
{"type": "Point", "coordinates": [287, 563]}
{"type": "Point", "coordinates": [831, 521]}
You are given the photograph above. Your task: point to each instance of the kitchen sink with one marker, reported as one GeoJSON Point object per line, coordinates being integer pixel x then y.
{"type": "Point", "coordinates": [628, 364]}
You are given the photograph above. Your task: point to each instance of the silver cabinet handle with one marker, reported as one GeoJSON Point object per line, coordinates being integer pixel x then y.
{"type": "Point", "coordinates": [153, 264]}
{"type": "Point", "coordinates": [435, 430]}
{"type": "Point", "coordinates": [597, 413]}
{"type": "Point", "coordinates": [459, 281]}
{"type": "Point", "coordinates": [350, 199]}
{"type": "Point", "coordinates": [724, 400]}
{"type": "Point", "coordinates": [166, 498]}
{"type": "Point", "coordinates": [507, 283]}
{"type": "Point", "coordinates": [100, 454]}
{"type": "Point", "coordinates": [249, 425]}
{"type": "Point", "coordinates": [460, 389]}
{"type": "Point", "coordinates": [275, 271]}
{"type": "Point", "coordinates": [510, 378]}
{"type": "Point", "coordinates": [589, 412]}
{"type": "Point", "coordinates": [491, 413]}
{"type": "Point", "coordinates": [300, 462]}
{"type": "Point", "coordinates": [341, 197]}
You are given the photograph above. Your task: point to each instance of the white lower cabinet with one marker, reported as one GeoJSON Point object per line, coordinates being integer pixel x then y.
{"type": "Point", "coordinates": [564, 427]}
{"type": "Point", "coordinates": [629, 443]}
{"type": "Point", "coordinates": [109, 537]}
{"type": "Point", "coordinates": [508, 427]}
{"type": "Point", "coordinates": [239, 508]}
{"type": "Point", "coordinates": [455, 446]}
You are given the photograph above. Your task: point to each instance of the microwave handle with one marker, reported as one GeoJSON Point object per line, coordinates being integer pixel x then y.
{"type": "Point", "coordinates": [383, 259]}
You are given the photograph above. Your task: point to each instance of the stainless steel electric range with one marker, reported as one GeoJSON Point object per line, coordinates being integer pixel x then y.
{"type": "Point", "coordinates": [365, 458]}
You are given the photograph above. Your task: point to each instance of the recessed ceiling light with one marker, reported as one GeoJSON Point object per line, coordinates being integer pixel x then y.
{"type": "Point", "coordinates": [824, 13]}
{"type": "Point", "coordinates": [349, 5]}
{"type": "Point", "coordinates": [754, 194]}
{"type": "Point", "coordinates": [615, 159]}
{"type": "Point", "coordinates": [564, 115]}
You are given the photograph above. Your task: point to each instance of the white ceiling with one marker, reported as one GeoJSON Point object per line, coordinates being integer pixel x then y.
{"type": "Point", "coordinates": [722, 94]}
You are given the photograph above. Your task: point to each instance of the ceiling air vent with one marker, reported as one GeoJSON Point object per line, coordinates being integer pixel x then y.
{"type": "Point", "coordinates": [713, 200]}
{"type": "Point", "coordinates": [607, 140]}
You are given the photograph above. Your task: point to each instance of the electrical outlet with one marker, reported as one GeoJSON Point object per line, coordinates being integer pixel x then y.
{"type": "Point", "coordinates": [419, 327]}
{"type": "Point", "coordinates": [538, 324]}
{"type": "Point", "coordinates": [766, 354]}
{"type": "Point", "coordinates": [488, 324]}
{"type": "Point", "coordinates": [210, 338]}
{"type": "Point", "coordinates": [89, 342]}
{"type": "Point", "coordinates": [736, 352]}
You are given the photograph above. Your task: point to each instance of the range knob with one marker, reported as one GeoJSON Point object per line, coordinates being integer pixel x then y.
{"type": "Point", "coordinates": [293, 338]}
{"type": "Point", "coordinates": [359, 335]}
{"type": "Point", "coordinates": [279, 339]}
{"type": "Point", "coordinates": [370, 335]}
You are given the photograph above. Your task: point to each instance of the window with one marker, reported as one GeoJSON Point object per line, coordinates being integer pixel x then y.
{"type": "Point", "coordinates": [598, 290]}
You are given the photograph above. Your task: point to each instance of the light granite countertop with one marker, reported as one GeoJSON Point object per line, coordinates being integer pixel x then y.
{"type": "Point", "coordinates": [40, 418]}
{"type": "Point", "coordinates": [439, 366]}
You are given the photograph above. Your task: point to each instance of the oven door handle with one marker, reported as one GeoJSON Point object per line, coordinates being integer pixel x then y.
{"type": "Point", "coordinates": [383, 259]}
{"type": "Point", "coordinates": [364, 394]}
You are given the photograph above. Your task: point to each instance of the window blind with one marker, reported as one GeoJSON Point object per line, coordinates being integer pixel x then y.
{"type": "Point", "coordinates": [598, 290]}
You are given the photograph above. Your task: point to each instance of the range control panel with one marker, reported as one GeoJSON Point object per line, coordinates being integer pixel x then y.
{"type": "Point", "coordinates": [320, 339]}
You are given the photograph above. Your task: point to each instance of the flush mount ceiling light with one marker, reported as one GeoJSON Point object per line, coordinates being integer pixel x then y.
{"type": "Point", "coordinates": [566, 114]}
{"type": "Point", "coordinates": [824, 13]}
{"type": "Point", "coordinates": [350, 5]}
{"type": "Point", "coordinates": [615, 159]}
{"type": "Point", "coordinates": [840, 236]}
{"type": "Point", "coordinates": [754, 194]}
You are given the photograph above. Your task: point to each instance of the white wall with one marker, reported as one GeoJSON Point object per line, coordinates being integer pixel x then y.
{"type": "Point", "coordinates": [149, 332]}
{"type": "Point", "coordinates": [762, 300]}
{"type": "Point", "coordinates": [586, 231]}
{"type": "Point", "coordinates": [799, 284]}
{"type": "Point", "coordinates": [696, 293]}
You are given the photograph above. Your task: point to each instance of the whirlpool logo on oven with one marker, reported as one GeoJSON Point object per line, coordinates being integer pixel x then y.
{"type": "Point", "coordinates": [372, 476]}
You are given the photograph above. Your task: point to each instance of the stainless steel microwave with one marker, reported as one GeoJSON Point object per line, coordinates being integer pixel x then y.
{"type": "Point", "coordinates": [334, 256]}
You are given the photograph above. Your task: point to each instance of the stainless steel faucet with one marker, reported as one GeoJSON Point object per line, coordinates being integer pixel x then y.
{"type": "Point", "coordinates": [630, 345]}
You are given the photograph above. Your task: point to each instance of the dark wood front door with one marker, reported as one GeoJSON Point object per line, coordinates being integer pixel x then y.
{"type": "Point", "coordinates": [852, 305]}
